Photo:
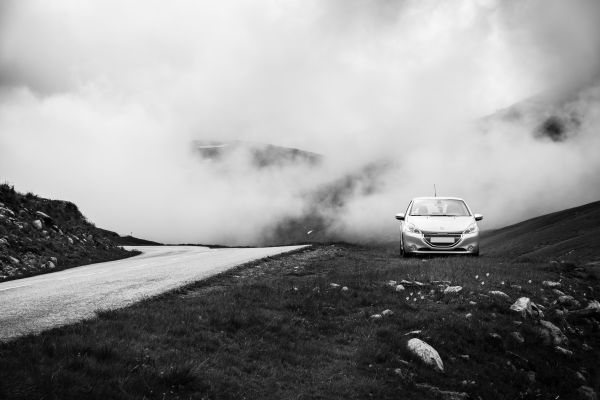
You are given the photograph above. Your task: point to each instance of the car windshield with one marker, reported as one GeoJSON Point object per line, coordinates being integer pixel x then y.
{"type": "Point", "coordinates": [439, 207]}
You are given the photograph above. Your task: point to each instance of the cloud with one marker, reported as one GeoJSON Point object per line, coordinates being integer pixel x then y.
{"type": "Point", "coordinates": [100, 102]}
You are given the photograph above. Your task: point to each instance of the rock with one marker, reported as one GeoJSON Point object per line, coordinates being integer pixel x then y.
{"type": "Point", "coordinates": [495, 340]}
{"type": "Point", "coordinates": [586, 393]}
{"type": "Point", "coordinates": [557, 292]}
{"type": "Point", "coordinates": [411, 283]}
{"type": "Point", "coordinates": [473, 303]}
{"type": "Point", "coordinates": [442, 394]}
{"type": "Point", "coordinates": [386, 313]}
{"type": "Point", "coordinates": [551, 334]}
{"type": "Point", "coordinates": [376, 316]}
{"type": "Point", "coordinates": [568, 301]}
{"type": "Point", "coordinates": [468, 315]}
{"type": "Point", "coordinates": [70, 240]}
{"type": "Point", "coordinates": [563, 351]}
{"type": "Point", "coordinates": [580, 377]}
{"type": "Point", "coordinates": [452, 289]}
{"type": "Point", "coordinates": [425, 353]}
{"type": "Point", "coordinates": [391, 283]}
{"type": "Point", "coordinates": [499, 295]}
{"type": "Point", "coordinates": [399, 288]}
{"type": "Point", "coordinates": [3, 242]}
{"type": "Point", "coordinates": [516, 337]}
{"type": "Point", "coordinates": [345, 289]}
{"type": "Point", "coordinates": [37, 224]}
{"type": "Point", "coordinates": [522, 306]}
{"type": "Point", "coordinates": [54, 260]}
{"type": "Point", "coordinates": [13, 260]}
{"type": "Point", "coordinates": [50, 265]}
{"type": "Point", "coordinates": [551, 284]}
{"type": "Point", "coordinates": [334, 285]}
{"type": "Point", "coordinates": [592, 309]}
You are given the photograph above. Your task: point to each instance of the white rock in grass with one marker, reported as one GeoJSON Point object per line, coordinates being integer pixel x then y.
{"type": "Point", "coordinates": [522, 306]}
{"type": "Point", "coordinates": [392, 283]}
{"type": "Point", "coordinates": [376, 316]}
{"type": "Point", "coordinates": [452, 289]}
{"type": "Point", "coordinates": [399, 288]}
{"type": "Point", "coordinates": [37, 224]}
{"type": "Point", "coordinates": [499, 294]}
{"type": "Point", "coordinates": [551, 284]}
{"type": "Point", "coordinates": [563, 351]}
{"type": "Point", "coordinates": [345, 289]}
{"type": "Point", "coordinates": [425, 353]}
{"type": "Point", "coordinates": [334, 285]}
{"type": "Point", "coordinates": [386, 313]}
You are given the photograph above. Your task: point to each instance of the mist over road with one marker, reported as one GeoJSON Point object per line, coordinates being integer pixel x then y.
{"type": "Point", "coordinates": [42, 302]}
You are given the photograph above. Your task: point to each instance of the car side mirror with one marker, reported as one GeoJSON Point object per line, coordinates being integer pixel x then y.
{"type": "Point", "coordinates": [400, 217]}
{"type": "Point", "coordinates": [478, 217]}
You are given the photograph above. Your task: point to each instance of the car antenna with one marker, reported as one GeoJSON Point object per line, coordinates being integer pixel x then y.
{"type": "Point", "coordinates": [434, 191]}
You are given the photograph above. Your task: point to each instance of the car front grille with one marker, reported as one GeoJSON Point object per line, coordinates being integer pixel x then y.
{"type": "Point", "coordinates": [451, 237]}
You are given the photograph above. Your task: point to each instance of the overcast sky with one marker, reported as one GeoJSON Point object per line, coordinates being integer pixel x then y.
{"type": "Point", "coordinates": [100, 100]}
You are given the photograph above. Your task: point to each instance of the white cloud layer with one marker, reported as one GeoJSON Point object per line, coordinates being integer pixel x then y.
{"type": "Point", "coordinates": [99, 102]}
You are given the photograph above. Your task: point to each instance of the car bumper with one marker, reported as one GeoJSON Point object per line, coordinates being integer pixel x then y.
{"type": "Point", "coordinates": [416, 244]}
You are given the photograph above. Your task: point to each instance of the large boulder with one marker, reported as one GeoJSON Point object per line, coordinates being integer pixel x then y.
{"type": "Point", "coordinates": [427, 354]}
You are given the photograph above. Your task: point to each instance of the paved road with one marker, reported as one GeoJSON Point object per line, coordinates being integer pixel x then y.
{"type": "Point", "coordinates": [42, 302]}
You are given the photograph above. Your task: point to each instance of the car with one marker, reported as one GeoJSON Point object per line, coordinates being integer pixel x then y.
{"type": "Point", "coordinates": [438, 225]}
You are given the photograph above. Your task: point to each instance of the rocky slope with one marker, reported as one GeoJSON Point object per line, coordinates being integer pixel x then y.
{"type": "Point", "coordinates": [38, 235]}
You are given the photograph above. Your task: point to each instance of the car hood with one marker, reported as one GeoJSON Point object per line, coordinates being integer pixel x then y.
{"type": "Point", "coordinates": [441, 224]}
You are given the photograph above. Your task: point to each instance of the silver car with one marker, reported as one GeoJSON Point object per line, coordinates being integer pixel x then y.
{"type": "Point", "coordinates": [440, 225]}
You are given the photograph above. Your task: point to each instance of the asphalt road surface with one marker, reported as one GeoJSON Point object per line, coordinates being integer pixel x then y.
{"type": "Point", "coordinates": [31, 305]}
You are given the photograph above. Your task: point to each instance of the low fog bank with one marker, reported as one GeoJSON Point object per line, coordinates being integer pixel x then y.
{"type": "Point", "coordinates": [106, 104]}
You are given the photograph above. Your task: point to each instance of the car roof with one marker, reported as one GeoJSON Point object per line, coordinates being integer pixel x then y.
{"type": "Point", "coordinates": [437, 198]}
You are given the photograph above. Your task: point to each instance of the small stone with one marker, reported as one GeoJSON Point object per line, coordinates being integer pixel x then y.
{"type": "Point", "coordinates": [13, 260]}
{"type": "Point", "coordinates": [386, 313]}
{"type": "Point", "coordinates": [50, 265]}
{"type": "Point", "coordinates": [580, 377]}
{"type": "Point", "coordinates": [3, 241]}
{"type": "Point", "coordinates": [586, 393]}
{"type": "Point", "coordinates": [399, 288]}
{"type": "Point", "coordinates": [70, 240]}
{"type": "Point", "coordinates": [376, 316]}
{"type": "Point", "coordinates": [54, 260]}
{"type": "Point", "coordinates": [557, 292]}
{"type": "Point", "coordinates": [568, 301]}
{"type": "Point", "coordinates": [516, 337]}
{"type": "Point", "coordinates": [499, 294]}
{"type": "Point", "coordinates": [452, 289]}
{"type": "Point", "coordinates": [37, 224]}
{"type": "Point", "coordinates": [563, 351]}
{"type": "Point", "coordinates": [522, 306]}
{"type": "Point", "coordinates": [391, 283]}
{"type": "Point", "coordinates": [473, 303]}
{"type": "Point", "coordinates": [468, 316]}
{"type": "Point", "coordinates": [550, 334]}
{"type": "Point", "coordinates": [345, 289]}
{"type": "Point", "coordinates": [334, 285]}
{"type": "Point", "coordinates": [551, 284]}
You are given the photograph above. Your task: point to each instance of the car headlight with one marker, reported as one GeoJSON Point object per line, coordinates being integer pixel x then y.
{"type": "Point", "coordinates": [411, 228]}
{"type": "Point", "coordinates": [471, 229]}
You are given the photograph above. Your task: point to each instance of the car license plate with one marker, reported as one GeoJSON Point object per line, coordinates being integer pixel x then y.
{"type": "Point", "coordinates": [442, 240]}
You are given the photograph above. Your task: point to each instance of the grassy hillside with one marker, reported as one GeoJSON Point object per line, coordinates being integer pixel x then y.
{"type": "Point", "coordinates": [38, 235]}
{"type": "Point", "coordinates": [572, 234]}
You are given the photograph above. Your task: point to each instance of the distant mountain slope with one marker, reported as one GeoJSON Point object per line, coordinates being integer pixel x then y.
{"type": "Point", "coordinates": [569, 234]}
{"type": "Point", "coordinates": [260, 155]}
{"type": "Point", "coordinates": [134, 241]}
{"type": "Point", "coordinates": [38, 235]}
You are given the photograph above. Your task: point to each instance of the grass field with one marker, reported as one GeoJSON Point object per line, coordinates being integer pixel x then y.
{"type": "Point", "coordinates": [278, 329]}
